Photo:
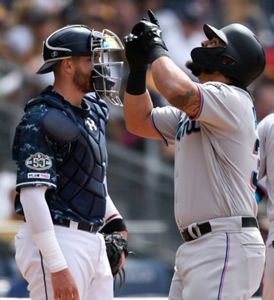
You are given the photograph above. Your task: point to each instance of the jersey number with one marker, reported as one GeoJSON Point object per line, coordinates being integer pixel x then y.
{"type": "Point", "coordinates": [254, 174]}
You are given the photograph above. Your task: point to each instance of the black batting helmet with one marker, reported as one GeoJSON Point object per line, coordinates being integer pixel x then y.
{"type": "Point", "coordinates": [242, 58]}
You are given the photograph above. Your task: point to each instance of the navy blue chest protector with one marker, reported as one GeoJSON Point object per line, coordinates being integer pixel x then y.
{"type": "Point", "coordinates": [81, 190]}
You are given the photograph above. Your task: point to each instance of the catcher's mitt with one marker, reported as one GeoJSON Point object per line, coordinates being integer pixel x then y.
{"type": "Point", "coordinates": [115, 246]}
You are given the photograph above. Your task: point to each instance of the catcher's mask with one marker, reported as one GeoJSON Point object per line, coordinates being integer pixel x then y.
{"type": "Point", "coordinates": [242, 58]}
{"type": "Point", "coordinates": [80, 40]}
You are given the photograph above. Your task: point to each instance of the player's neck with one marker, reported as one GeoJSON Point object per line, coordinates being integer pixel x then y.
{"type": "Point", "coordinates": [69, 92]}
{"type": "Point", "coordinates": [216, 76]}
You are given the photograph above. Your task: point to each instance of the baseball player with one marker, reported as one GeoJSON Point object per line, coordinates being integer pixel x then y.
{"type": "Point", "coordinates": [266, 137]}
{"type": "Point", "coordinates": [60, 151]}
{"type": "Point", "coordinates": [212, 125]}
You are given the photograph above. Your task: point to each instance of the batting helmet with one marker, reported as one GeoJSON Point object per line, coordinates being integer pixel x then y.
{"type": "Point", "coordinates": [80, 40]}
{"type": "Point", "coordinates": [242, 58]}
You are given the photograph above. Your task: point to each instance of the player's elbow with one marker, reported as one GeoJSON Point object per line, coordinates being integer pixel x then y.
{"type": "Point", "coordinates": [134, 121]}
{"type": "Point", "coordinates": [132, 127]}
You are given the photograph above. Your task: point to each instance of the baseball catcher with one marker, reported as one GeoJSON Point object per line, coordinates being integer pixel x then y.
{"type": "Point", "coordinates": [60, 151]}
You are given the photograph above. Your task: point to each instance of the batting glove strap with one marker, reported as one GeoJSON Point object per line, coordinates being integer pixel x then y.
{"type": "Point", "coordinates": [156, 52]}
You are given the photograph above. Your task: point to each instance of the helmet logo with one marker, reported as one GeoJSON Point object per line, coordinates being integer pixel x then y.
{"type": "Point", "coordinates": [54, 54]}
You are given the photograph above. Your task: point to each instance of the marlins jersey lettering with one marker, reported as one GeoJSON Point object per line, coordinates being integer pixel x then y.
{"type": "Point", "coordinates": [225, 167]}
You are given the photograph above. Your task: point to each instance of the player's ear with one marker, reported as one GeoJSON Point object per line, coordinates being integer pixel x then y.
{"type": "Point", "coordinates": [68, 65]}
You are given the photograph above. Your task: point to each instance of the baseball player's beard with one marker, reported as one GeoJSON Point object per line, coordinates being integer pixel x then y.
{"type": "Point", "coordinates": [196, 69]}
{"type": "Point", "coordinates": [82, 82]}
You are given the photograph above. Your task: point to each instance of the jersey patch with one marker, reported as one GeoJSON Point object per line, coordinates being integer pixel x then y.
{"type": "Point", "coordinates": [39, 175]}
{"type": "Point", "coordinates": [38, 161]}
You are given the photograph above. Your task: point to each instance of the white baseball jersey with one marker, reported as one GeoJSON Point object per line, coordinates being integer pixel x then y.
{"type": "Point", "coordinates": [216, 157]}
{"type": "Point", "coordinates": [266, 136]}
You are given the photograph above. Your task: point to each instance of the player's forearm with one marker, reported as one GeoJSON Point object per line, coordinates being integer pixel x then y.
{"type": "Point", "coordinates": [175, 85]}
{"type": "Point", "coordinates": [137, 111]}
{"type": "Point", "coordinates": [41, 227]}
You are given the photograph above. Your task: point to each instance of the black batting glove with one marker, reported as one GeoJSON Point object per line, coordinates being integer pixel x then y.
{"type": "Point", "coordinates": [144, 44]}
{"type": "Point", "coordinates": [137, 60]}
{"type": "Point", "coordinates": [135, 54]}
{"type": "Point", "coordinates": [150, 33]}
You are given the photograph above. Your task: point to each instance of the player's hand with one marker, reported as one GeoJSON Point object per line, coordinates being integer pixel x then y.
{"type": "Point", "coordinates": [149, 36]}
{"type": "Point", "coordinates": [135, 53]}
{"type": "Point", "coordinates": [64, 286]}
{"type": "Point", "coordinates": [122, 261]}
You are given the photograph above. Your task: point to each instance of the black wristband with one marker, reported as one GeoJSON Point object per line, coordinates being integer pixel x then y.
{"type": "Point", "coordinates": [114, 225]}
{"type": "Point", "coordinates": [136, 82]}
{"type": "Point", "coordinates": [156, 52]}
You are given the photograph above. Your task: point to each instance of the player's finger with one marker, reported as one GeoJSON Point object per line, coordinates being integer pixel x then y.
{"type": "Point", "coordinates": [68, 295]}
{"type": "Point", "coordinates": [152, 17]}
{"type": "Point", "coordinates": [75, 295]}
{"type": "Point", "coordinates": [57, 295]}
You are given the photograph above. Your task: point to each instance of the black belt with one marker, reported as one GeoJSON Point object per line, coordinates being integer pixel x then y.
{"type": "Point", "coordinates": [81, 226]}
{"type": "Point", "coordinates": [206, 228]}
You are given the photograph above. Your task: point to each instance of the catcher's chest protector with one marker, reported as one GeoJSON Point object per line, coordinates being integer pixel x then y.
{"type": "Point", "coordinates": [81, 190]}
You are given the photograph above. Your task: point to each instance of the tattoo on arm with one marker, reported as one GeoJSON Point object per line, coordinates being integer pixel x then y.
{"type": "Point", "coordinates": [189, 103]}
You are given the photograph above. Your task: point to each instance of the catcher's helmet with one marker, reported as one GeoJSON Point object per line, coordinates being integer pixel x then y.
{"type": "Point", "coordinates": [242, 58]}
{"type": "Point", "coordinates": [80, 40]}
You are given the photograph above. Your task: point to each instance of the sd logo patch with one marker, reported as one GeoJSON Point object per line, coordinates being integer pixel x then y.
{"type": "Point", "coordinates": [38, 161]}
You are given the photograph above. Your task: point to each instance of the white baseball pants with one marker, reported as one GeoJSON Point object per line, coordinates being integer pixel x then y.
{"type": "Point", "coordinates": [225, 264]}
{"type": "Point", "coordinates": [86, 257]}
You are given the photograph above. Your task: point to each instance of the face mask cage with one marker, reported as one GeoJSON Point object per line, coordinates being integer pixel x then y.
{"type": "Point", "coordinates": [107, 67]}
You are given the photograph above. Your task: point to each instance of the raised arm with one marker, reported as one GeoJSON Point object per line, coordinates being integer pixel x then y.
{"type": "Point", "coordinates": [176, 86]}
{"type": "Point", "coordinates": [137, 111]}
{"type": "Point", "coordinates": [145, 46]}
{"type": "Point", "coordinates": [137, 101]}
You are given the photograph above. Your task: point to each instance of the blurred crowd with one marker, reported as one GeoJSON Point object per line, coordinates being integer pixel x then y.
{"type": "Point", "coordinates": [25, 24]}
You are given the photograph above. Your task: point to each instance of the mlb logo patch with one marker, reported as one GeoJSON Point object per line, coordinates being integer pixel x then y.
{"type": "Point", "coordinates": [39, 175]}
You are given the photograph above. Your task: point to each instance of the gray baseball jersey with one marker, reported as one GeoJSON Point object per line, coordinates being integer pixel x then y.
{"type": "Point", "coordinates": [266, 135]}
{"type": "Point", "coordinates": [216, 157]}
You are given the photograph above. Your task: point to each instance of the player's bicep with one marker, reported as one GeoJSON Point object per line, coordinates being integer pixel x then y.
{"type": "Point", "coordinates": [188, 101]}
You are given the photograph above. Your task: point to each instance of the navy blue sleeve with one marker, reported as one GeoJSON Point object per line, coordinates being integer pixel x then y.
{"type": "Point", "coordinates": [33, 152]}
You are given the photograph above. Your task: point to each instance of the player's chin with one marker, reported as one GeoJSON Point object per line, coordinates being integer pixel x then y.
{"type": "Point", "coordinates": [194, 68]}
{"type": "Point", "coordinates": [197, 70]}
{"type": "Point", "coordinates": [86, 88]}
